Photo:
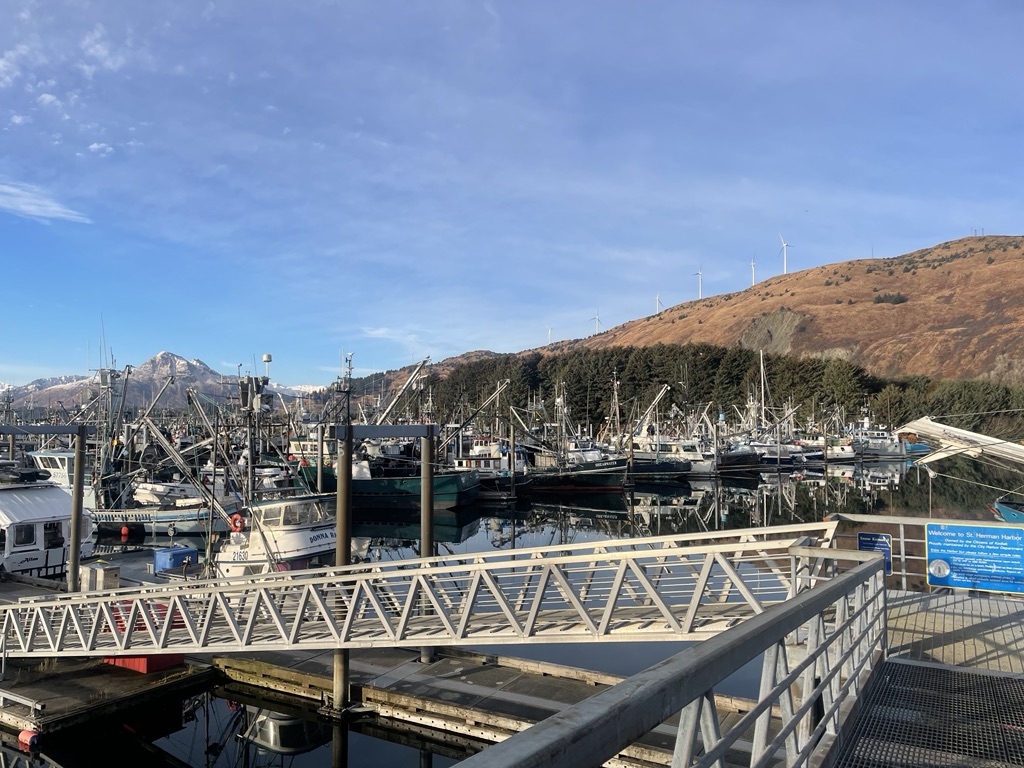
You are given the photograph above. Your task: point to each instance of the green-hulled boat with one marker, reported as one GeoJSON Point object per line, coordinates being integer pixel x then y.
{"type": "Point", "coordinates": [374, 488]}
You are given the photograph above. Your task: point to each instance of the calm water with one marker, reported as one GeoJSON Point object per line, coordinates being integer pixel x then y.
{"type": "Point", "coordinates": [209, 730]}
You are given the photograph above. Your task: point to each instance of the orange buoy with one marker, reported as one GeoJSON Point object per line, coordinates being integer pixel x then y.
{"type": "Point", "coordinates": [124, 530]}
{"type": "Point", "coordinates": [28, 739]}
{"type": "Point", "coordinates": [237, 523]}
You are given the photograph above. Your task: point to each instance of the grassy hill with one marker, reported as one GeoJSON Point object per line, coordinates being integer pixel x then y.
{"type": "Point", "coordinates": [952, 311]}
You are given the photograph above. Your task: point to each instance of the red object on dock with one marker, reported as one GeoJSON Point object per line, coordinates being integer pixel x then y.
{"type": "Point", "coordinates": [27, 739]}
{"type": "Point", "coordinates": [147, 664]}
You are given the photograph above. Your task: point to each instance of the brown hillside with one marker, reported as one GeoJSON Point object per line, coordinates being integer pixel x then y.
{"type": "Point", "coordinates": [963, 316]}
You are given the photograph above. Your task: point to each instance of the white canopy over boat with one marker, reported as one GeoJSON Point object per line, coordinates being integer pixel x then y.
{"type": "Point", "coordinates": [33, 504]}
{"type": "Point", "coordinates": [953, 441]}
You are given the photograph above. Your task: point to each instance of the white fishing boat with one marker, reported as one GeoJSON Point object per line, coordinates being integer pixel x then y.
{"type": "Point", "coordinates": [490, 458]}
{"type": "Point", "coordinates": [186, 517]}
{"type": "Point", "coordinates": [154, 493]}
{"type": "Point", "coordinates": [872, 442]}
{"type": "Point", "coordinates": [60, 464]}
{"type": "Point", "coordinates": [292, 533]}
{"type": "Point", "coordinates": [35, 525]}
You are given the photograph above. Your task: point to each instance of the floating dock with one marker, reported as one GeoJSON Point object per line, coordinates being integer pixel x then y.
{"type": "Point", "coordinates": [462, 699]}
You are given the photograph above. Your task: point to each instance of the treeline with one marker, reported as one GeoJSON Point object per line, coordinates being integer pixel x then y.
{"type": "Point", "coordinates": [701, 373]}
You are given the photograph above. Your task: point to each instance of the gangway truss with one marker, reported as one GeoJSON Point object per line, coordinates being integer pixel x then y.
{"type": "Point", "coordinates": [683, 587]}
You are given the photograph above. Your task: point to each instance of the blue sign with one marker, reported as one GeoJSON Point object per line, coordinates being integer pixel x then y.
{"type": "Point", "coordinates": [983, 557]}
{"type": "Point", "coordinates": [877, 542]}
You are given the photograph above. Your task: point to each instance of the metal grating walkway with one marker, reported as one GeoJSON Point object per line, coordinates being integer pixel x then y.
{"type": "Point", "coordinates": [928, 715]}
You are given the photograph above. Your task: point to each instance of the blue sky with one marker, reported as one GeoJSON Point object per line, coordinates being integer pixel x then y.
{"type": "Point", "coordinates": [400, 179]}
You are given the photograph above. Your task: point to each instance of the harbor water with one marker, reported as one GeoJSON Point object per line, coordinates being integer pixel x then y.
{"type": "Point", "coordinates": [213, 729]}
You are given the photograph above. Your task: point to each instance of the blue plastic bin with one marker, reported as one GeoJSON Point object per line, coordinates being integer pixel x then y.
{"type": "Point", "coordinates": [173, 557]}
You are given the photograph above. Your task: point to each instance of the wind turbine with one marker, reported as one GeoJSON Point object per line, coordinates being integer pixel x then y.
{"type": "Point", "coordinates": [700, 282]}
{"type": "Point", "coordinates": [549, 334]}
{"type": "Point", "coordinates": [657, 302]}
{"type": "Point", "coordinates": [597, 321]}
{"type": "Point", "coordinates": [784, 251]}
{"type": "Point", "coordinates": [753, 280]}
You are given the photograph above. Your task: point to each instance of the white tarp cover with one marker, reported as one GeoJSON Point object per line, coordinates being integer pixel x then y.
{"type": "Point", "coordinates": [953, 441]}
{"type": "Point", "coordinates": [33, 503]}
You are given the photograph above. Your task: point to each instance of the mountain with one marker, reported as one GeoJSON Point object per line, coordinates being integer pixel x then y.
{"type": "Point", "coordinates": [144, 383]}
{"type": "Point", "coordinates": [953, 311]}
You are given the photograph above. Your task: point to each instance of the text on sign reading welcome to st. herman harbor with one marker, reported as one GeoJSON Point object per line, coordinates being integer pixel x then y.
{"type": "Point", "coordinates": [983, 557]}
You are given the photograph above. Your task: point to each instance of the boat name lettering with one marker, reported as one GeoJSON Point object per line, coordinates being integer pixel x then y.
{"type": "Point", "coordinates": [315, 537]}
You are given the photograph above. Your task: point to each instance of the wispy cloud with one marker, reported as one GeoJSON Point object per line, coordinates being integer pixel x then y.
{"type": "Point", "coordinates": [34, 203]}
{"type": "Point", "coordinates": [10, 68]}
{"type": "Point", "coordinates": [99, 49]}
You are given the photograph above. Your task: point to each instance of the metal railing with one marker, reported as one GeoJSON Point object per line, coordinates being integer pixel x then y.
{"type": "Point", "coordinates": [687, 587]}
{"type": "Point", "coordinates": [818, 652]}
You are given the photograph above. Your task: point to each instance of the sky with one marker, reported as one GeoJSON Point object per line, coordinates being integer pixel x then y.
{"type": "Point", "coordinates": [394, 180]}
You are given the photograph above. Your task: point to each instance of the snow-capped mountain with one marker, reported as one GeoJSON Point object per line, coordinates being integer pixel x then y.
{"type": "Point", "coordinates": [142, 383]}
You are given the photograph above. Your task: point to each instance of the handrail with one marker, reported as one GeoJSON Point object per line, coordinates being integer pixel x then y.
{"type": "Point", "coordinates": [837, 659]}
{"type": "Point", "coordinates": [680, 588]}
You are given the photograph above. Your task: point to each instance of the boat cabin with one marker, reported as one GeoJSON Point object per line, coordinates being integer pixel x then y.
{"type": "Point", "coordinates": [60, 463]}
{"type": "Point", "coordinates": [35, 528]}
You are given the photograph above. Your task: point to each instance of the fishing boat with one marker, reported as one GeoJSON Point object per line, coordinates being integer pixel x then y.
{"type": "Point", "coordinates": [1007, 510]}
{"type": "Point", "coordinates": [872, 442]}
{"type": "Point", "coordinates": [184, 508]}
{"type": "Point", "coordinates": [35, 525]}
{"type": "Point", "coordinates": [490, 459]}
{"type": "Point", "coordinates": [379, 488]}
{"type": "Point", "coordinates": [384, 476]}
{"type": "Point", "coordinates": [777, 453]}
{"type": "Point", "coordinates": [186, 517]}
{"type": "Point", "coordinates": [653, 459]}
{"type": "Point", "coordinates": [279, 535]}
{"type": "Point", "coordinates": [737, 457]}
{"type": "Point", "coordinates": [59, 463]}
{"type": "Point", "coordinates": [594, 475]}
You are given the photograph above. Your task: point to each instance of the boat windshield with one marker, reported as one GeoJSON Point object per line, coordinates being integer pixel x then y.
{"type": "Point", "coordinates": [294, 513]}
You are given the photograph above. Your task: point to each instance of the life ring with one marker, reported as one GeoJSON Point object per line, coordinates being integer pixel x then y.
{"type": "Point", "coordinates": [237, 523]}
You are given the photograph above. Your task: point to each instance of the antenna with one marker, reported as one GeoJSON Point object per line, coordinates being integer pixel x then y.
{"type": "Point", "coordinates": [700, 282]}
{"type": "Point", "coordinates": [784, 251]}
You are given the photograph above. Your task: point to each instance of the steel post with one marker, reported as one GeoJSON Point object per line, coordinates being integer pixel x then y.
{"type": "Point", "coordinates": [319, 458]}
{"type": "Point", "coordinates": [426, 517]}
{"type": "Point", "coordinates": [426, 497]}
{"type": "Point", "coordinates": [342, 552]}
{"type": "Point", "coordinates": [512, 460]}
{"type": "Point", "coordinates": [78, 492]}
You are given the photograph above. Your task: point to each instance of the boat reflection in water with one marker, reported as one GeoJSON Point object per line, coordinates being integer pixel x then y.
{"type": "Point", "coordinates": [388, 534]}
{"type": "Point", "coordinates": [281, 734]}
{"type": "Point", "coordinates": [244, 731]}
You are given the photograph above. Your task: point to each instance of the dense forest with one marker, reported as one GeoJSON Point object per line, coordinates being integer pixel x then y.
{"type": "Point", "coordinates": [701, 374]}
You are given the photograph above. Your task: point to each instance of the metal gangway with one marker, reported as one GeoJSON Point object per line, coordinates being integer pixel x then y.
{"type": "Point", "coordinates": [684, 587]}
